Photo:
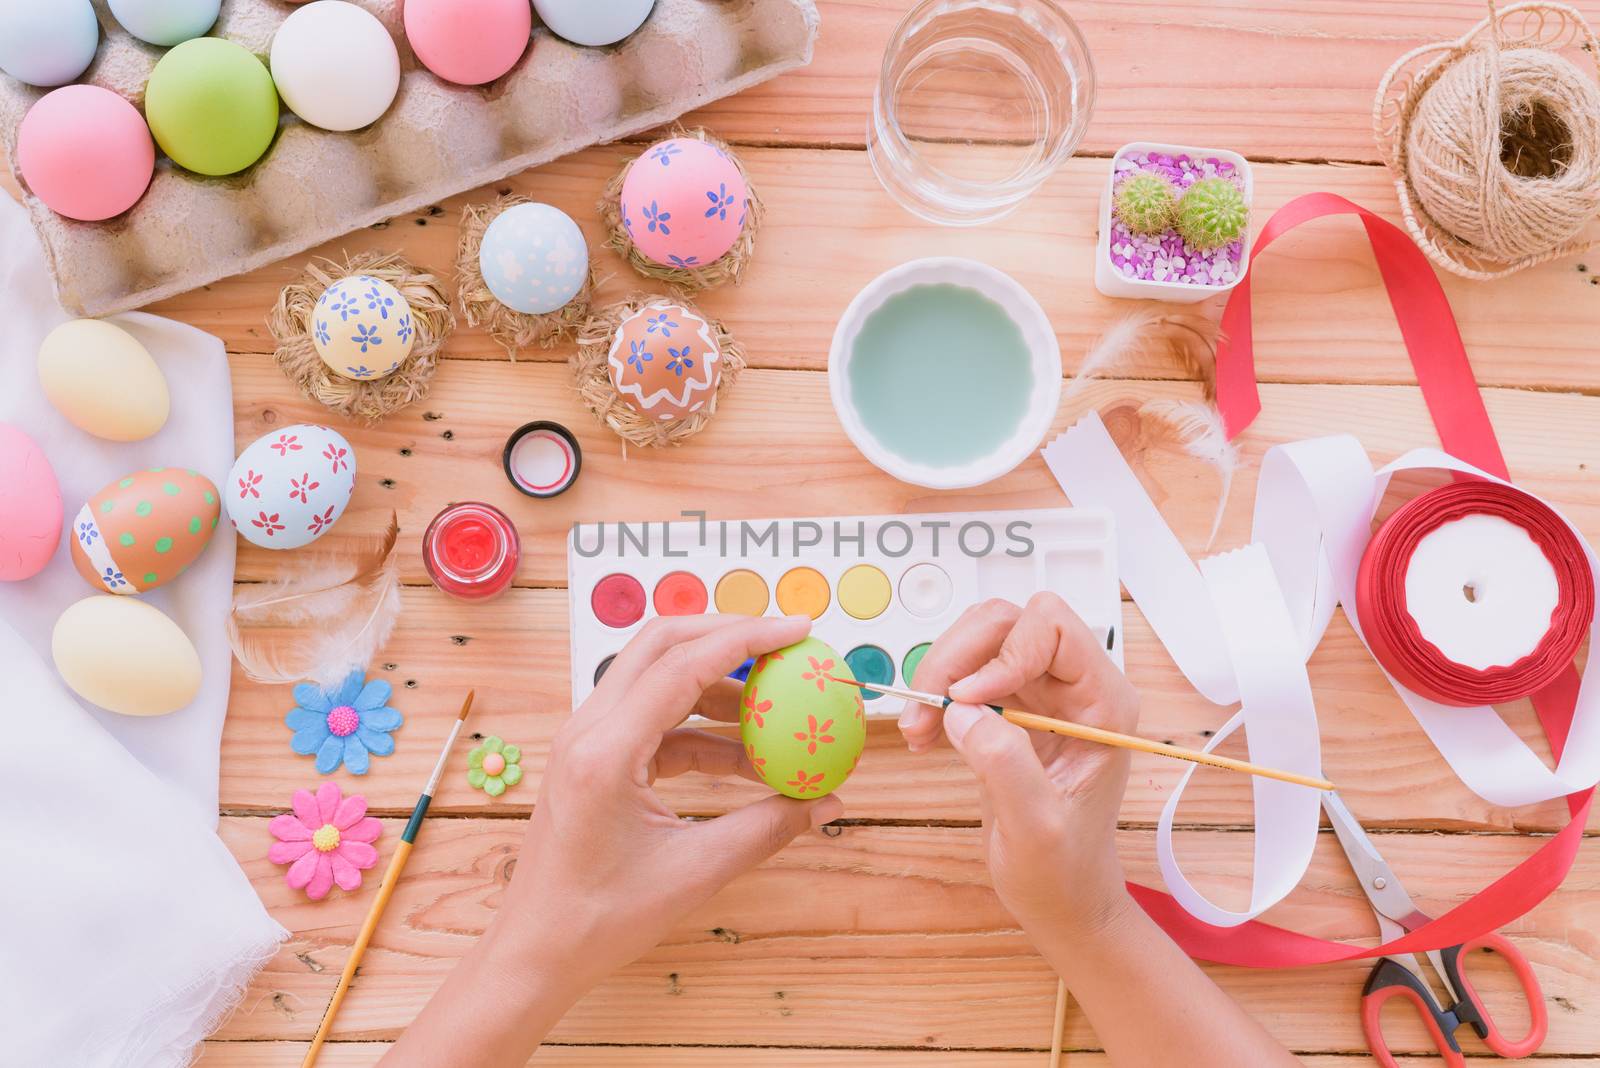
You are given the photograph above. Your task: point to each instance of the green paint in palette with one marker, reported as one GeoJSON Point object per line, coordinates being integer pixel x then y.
{"type": "Point", "coordinates": [940, 375]}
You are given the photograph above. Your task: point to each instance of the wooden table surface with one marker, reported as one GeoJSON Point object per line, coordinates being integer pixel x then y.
{"type": "Point", "coordinates": [882, 945]}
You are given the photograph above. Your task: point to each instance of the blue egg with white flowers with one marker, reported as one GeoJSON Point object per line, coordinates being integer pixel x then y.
{"type": "Point", "coordinates": [534, 258]}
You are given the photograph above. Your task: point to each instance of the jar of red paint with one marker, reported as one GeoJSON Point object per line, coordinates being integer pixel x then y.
{"type": "Point", "coordinates": [471, 551]}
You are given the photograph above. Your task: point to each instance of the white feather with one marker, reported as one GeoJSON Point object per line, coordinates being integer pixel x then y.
{"type": "Point", "coordinates": [1199, 429]}
{"type": "Point", "coordinates": [1187, 339]}
{"type": "Point", "coordinates": [331, 613]}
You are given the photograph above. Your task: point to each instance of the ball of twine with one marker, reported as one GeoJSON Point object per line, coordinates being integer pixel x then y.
{"type": "Point", "coordinates": [1496, 143]}
{"type": "Point", "coordinates": [729, 267]}
{"type": "Point", "coordinates": [367, 399]}
{"type": "Point", "coordinates": [592, 373]}
{"type": "Point", "coordinates": [512, 329]}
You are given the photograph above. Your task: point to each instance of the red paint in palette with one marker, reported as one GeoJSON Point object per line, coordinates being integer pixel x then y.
{"type": "Point", "coordinates": [618, 601]}
{"type": "Point", "coordinates": [680, 594]}
{"type": "Point", "coordinates": [471, 551]}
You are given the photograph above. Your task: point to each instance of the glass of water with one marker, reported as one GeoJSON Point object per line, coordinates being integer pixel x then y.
{"type": "Point", "coordinates": [978, 102]}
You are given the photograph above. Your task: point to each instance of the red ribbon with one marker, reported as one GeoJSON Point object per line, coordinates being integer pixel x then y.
{"type": "Point", "coordinates": [1398, 643]}
{"type": "Point", "coordinates": [1451, 392]}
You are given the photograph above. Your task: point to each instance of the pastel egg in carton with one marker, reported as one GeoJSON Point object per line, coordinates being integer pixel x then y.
{"type": "Point", "coordinates": [436, 140]}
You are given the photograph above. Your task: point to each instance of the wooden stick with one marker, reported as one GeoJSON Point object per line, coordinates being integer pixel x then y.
{"type": "Point", "coordinates": [1059, 1033]}
{"type": "Point", "coordinates": [1086, 733]}
{"type": "Point", "coordinates": [391, 878]}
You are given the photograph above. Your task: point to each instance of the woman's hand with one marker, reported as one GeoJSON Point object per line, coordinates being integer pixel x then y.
{"type": "Point", "coordinates": [1049, 803]}
{"type": "Point", "coordinates": [607, 869]}
{"type": "Point", "coordinates": [606, 863]}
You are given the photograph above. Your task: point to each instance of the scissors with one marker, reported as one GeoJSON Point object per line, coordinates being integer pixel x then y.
{"type": "Point", "coordinates": [1400, 975]}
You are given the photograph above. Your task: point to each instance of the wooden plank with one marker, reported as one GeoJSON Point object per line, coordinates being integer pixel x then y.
{"type": "Point", "coordinates": [449, 448]}
{"type": "Point", "coordinates": [1291, 79]}
{"type": "Point", "coordinates": [362, 1054]}
{"type": "Point", "coordinates": [515, 656]}
{"type": "Point", "coordinates": [896, 942]}
{"type": "Point", "coordinates": [1320, 314]}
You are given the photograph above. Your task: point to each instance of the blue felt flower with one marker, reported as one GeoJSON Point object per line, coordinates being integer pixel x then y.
{"type": "Point", "coordinates": [344, 725]}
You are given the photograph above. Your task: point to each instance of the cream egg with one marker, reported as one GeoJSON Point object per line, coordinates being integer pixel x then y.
{"type": "Point", "coordinates": [335, 65]}
{"type": "Point", "coordinates": [125, 656]}
{"type": "Point", "coordinates": [103, 380]}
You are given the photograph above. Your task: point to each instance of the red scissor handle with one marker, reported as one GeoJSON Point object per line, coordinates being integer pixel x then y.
{"type": "Point", "coordinates": [1390, 979]}
{"type": "Point", "coordinates": [1538, 1019]}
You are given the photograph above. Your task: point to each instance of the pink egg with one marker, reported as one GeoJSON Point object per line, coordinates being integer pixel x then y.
{"type": "Point", "coordinates": [86, 152]}
{"type": "Point", "coordinates": [469, 42]}
{"type": "Point", "coordinates": [683, 203]}
{"type": "Point", "coordinates": [30, 506]}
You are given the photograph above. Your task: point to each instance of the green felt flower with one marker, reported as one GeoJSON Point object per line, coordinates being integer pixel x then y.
{"type": "Point", "coordinates": [493, 766]}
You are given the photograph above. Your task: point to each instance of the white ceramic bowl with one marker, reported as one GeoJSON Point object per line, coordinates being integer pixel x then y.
{"type": "Point", "coordinates": [1113, 283]}
{"type": "Point", "coordinates": [1037, 333]}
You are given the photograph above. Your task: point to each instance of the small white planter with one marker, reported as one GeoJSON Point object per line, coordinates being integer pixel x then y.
{"type": "Point", "coordinates": [1113, 283]}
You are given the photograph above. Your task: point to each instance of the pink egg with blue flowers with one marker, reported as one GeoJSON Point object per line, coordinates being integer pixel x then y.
{"type": "Point", "coordinates": [684, 203]}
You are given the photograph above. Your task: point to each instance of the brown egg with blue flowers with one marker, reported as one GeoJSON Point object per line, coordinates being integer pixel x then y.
{"type": "Point", "coordinates": [144, 529]}
{"type": "Point", "coordinates": [664, 361]}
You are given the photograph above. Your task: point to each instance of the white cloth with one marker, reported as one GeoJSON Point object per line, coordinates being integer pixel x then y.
{"type": "Point", "coordinates": [181, 748]}
{"type": "Point", "coordinates": [127, 929]}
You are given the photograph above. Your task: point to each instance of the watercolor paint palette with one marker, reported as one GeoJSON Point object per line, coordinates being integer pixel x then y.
{"type": "Point", "coordinates": [881, 588]}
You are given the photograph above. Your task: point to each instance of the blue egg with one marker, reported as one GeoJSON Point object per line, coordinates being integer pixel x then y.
{"type": "Point", "coordinates": [534, 258]}
{"type": "Point", "coordinates": [166, 22]}
{"type": "Point", "coordinates": [47, 44]}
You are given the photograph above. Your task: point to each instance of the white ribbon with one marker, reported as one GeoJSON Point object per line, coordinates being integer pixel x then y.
{"type": "Point", "coordinates": [1242, 625]}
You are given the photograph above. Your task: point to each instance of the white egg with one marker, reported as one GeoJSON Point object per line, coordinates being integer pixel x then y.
{"type": "Point", "coordinates": [588, 22]}
{"type": "Point", "coordinates": [290, 486]}
{"type": "Point", "coordinates": [166, 22]}
{"type": "Point", "coordinates": [534, 258]}
{"type": "Point", "coordinates": [335, 65]}
{"type": "Point", "coordinates": [126, 656]}
{"type": "Point", "coordinates": [362, 327]}
{"type": "Point", "coordinates": [47, 42]}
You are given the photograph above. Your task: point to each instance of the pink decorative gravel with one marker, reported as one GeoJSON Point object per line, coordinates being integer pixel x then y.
{"type": "Point", "coordinates": [1168, 257]}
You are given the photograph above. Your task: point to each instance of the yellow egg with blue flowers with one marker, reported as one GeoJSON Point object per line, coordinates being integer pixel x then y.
{"type": "Point", "coordinates": [362, 327]}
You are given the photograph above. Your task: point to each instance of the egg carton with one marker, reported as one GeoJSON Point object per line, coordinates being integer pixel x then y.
{"type": "Point", "coordinates": [436, 140]}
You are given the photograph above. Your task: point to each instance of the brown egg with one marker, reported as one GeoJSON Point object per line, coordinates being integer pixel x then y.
{"type": "Point", "coordinates": [664, 361]}
{"type": "Point", "coordinates": [144, 530]}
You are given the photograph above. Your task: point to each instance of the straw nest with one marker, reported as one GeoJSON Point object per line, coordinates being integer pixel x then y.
{"type": "Point", "coordinates": [512, 329]}
{"type": "Point", "coordinates": [729, 267]}
{"type": "Point", "coordinates": [368, 400]}
{"type": "Point", "coordinates": [592, 375]}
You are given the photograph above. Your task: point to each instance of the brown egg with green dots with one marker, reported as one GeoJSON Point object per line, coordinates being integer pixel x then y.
{"type": "Point", "coordinates": [145, 529]}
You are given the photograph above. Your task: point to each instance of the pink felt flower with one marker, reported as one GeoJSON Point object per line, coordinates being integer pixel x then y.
{"type": "Point", "coordinates": [327, 839]}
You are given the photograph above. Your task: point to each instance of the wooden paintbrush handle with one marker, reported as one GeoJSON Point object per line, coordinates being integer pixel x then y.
{"type": "Point", "coordinates": [1145, 745]}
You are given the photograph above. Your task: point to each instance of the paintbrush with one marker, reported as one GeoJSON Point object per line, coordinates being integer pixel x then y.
{"type": "Point", "coordinates": [397, 863]}
{"type": "Point", "coordinates": [1086, 733]}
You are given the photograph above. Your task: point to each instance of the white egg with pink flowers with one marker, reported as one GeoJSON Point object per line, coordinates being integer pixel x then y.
{"type": "Point", "coordinates": [290, 486]}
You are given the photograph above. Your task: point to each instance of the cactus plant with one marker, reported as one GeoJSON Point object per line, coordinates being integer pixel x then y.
{"type": "Point", "coordinates": [1145, 203]}
{"type": "Point", "coordinates": [1211, 213]}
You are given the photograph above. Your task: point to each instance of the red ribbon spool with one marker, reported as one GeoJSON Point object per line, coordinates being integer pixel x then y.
{"type": "Point", "coordinates": [1398, 643]}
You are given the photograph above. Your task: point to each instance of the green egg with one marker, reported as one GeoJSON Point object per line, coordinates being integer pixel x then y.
{"type": "Point", "coordinates": [211, 106]}
{"type": "Point", "coordinates": [803, 730]}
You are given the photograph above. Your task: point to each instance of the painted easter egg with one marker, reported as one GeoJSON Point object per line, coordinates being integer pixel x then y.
{"type": "Point", "coordinates": [664, 361]}
{"type": "Point", "coordinates": [144, 530]}
{"type": "Point", "coordinates": [47, 44]}
{"type": "Point", "coordinates": [683, 203]}
{"type": "Point", "coordinates": [362, 327]}
{"type": "Point", "coordinates": [290, 486]}
{"type": "Point", "coordinates": [534, 258]}
{"type": "Point", "coordinates": [585, 22]}
{"type": "Point", "coordinates": [212, 106]}
{"type": "Point", "coordinates": [103, 380]}
{"type": "Point", "coordinates": [86, 152]}
{"type": "Point", "coordinates": [126, 656]}
{"type": "Point", "coordinates": [335, 65]}
{"type": "Point", "coordinates": [165, 22]}
{"type": "Point", "coordinates": [469, 42]}
{"type": "Point", "coordinates": [30, 506]}
{"type": "Point", "coordinates": [803, 731]}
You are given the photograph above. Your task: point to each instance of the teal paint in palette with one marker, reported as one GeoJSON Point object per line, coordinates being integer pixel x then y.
{"type": "Point", "coordinates": [945, 373]}
{"type": "Point", "coordinates": [940, 375]}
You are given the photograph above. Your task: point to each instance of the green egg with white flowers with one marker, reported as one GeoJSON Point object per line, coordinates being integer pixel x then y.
{"type": "Point", "coordinates": [802, 723]}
